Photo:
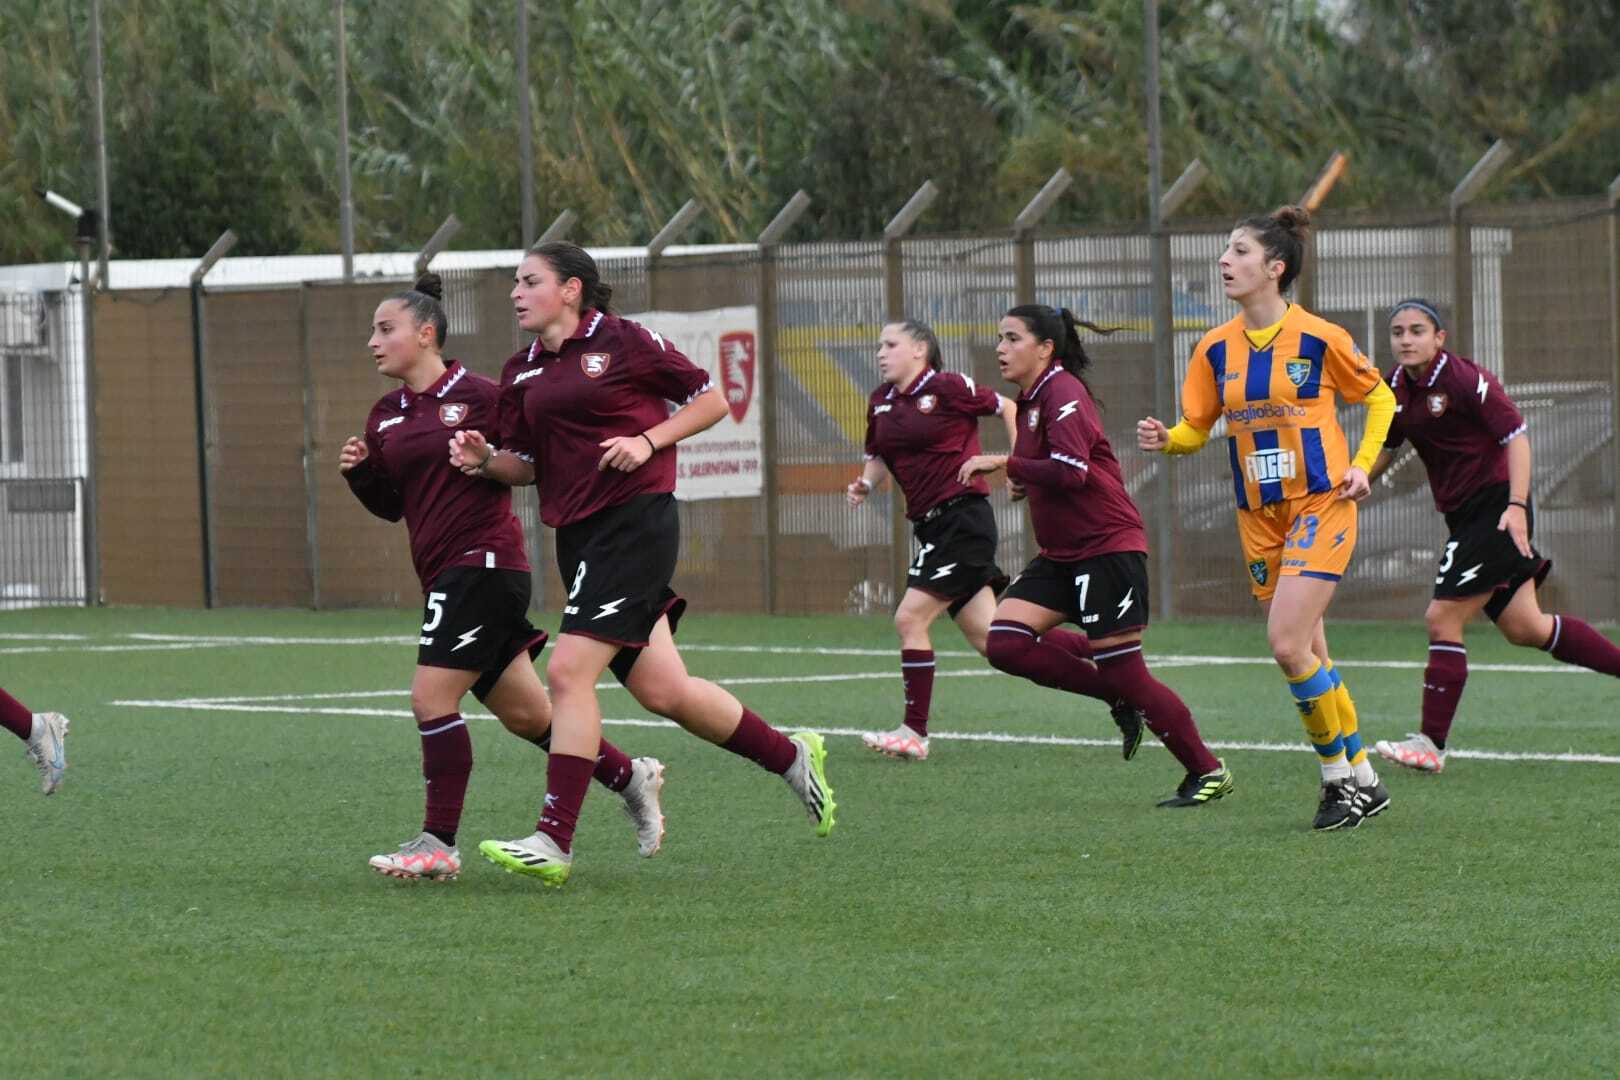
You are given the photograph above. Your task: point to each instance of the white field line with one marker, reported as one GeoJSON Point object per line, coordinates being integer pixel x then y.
{"type": "Point", "coordinates": [180, 642]}
{"type": "Point", "coordinates": [288, 707]}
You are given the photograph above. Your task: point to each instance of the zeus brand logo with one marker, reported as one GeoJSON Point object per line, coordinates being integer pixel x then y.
{"type": "Point", "coordinates": [881, 409]}
{"type": "Point", "coordinates": [1470, 574]}
{"type": "Point", "coordinates": [531, 373]}
{"type": "Point", "coordinates": [390, 423]}
{"type": "Point", "coordinates": [1482, 388]}
{"type": "Point", "coordinates": [1067, 409]}
{"type": "Point", "coordinates": [1124, 605]}
{"type": "Point", "coordinates": [1267, 466]}
{"type": "Point", "coordinates": [467, 639]}
{"type": "Point", "coordinates": [609, 608]}
{"type": "Point", "coordinates": [943, 571]}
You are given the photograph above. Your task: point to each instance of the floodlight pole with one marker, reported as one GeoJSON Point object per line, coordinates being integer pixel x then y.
{"type": "Point", "coordinates": [1461, 336]}
{"type": "Point", "coordinates": [99, 136]}
{"type": "Point", "coordinates": [345, 192]}
{"type": "Point", "coordinates": [767, 375]}
{"type": "Point", "coordinates": [894, 305]}
{"type": "Point", "coordinates": [1024, 234]}
{"type": "Point", "coordinates": [674, 227]}
{"type": "Point", "coordinates": [525, 124]}
{"type": "Point", "coordinates": [199, 380]}
{"type": "Point", "coordinates": [436, 243]}
{"type": "Point", "coordinates": [1164, 363]}
{"type": "Point", "coordinates": [85, 239]}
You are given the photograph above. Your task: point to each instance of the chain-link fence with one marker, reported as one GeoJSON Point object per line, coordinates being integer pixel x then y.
{"type": "Point", "coordinates": [254, 512]}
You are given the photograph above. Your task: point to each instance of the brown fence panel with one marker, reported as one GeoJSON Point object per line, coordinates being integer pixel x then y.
{"type": "Point", "coordinates": [150, 532]}
{"type": "Point", "coordinates": [259, 514]}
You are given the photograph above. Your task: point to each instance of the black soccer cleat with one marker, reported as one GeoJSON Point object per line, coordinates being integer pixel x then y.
{"type": "Point", "coordinates": [1337, 809]}
{"type": "Point", "coordinates": [1198, 790]}
{"type": "Point", "coordinates": [1371, 801]}
{"type": "Point", "coordinates": [1128, 718]}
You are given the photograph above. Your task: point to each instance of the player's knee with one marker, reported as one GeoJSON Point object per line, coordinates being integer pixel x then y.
{"type": "Point", "coordinates": [1529, 631]}
{"type": "Point", "coordinates": [566, 676]}
{"type": "Point", "coordinates": [1005, 647]}
{"type": "Point", "coordinates": [662, 696]}
{"type": "Point", "coordinates": [1291, 651]}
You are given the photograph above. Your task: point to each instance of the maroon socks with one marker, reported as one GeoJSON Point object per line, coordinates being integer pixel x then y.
{"type": "Point", "coordinates": [1574, 642]}
{"type": "Point", "coordinates": [15, 717]}
{"type": "Point", "coordinates": [917, 674]}
{"type": "Point", "coordinates": [568, 778]}
{"type": "Point", "coordinates": [1014, 648]}
{"type": "Point", "coordinates": [1165, 713]}
{"type": "Point", "coordinates": [1443, 682]}
{"type": "Point", "coordinates": [762, 744]}
{"type": "Point", "coordinates": [446, 765]}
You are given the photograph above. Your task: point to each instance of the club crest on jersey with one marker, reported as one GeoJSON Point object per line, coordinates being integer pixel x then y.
{"type": "Point", "coordinates": [1034, 418]}
{"type": "Point", "coordinates": [1298, 371]}
{"type": "Point", "coordinates": [1257, 570]}
{"type": "Point", "coordinates": [737, 371]}
{"type": "Point", "coordinates": [452, 414]}
{"type": "Point", "coordinates": [926, 403]}
{"type": "Point", "coordinates": [1437, 403]}
{"type": "Point", "coordinates": [595, 364]}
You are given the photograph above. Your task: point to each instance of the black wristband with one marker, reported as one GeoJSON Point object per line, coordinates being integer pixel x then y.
{"type": "Point", "coordinates": [650, 443]}
{"type": "Point", "coordinates": [1520, 503]}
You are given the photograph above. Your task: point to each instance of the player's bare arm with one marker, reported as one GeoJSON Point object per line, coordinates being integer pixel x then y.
{"type": "Point", "coordinates": [471, 453]}
{"type": "Point", "coordinates": [1152, 435]}
{"type": "Point", "coordinates": [353, 453]}
{"type": "Point", "coordinates": [1515, 520]}
{"type": "Point", "coordinates": [979, 464]}
{"type": "Point", "coordinates": [627, 453]}
{"type": "Point", "coordinates": [863, 485]}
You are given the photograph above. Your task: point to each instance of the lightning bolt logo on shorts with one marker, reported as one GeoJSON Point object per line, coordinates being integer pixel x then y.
{"type": "Point", "coordinates": [1067, 409]}
{"type": "Point", "coordinates": [609, 608]}
{"type": "Point", "coordinates": [467, 639]}
{"type": "Point", "coordinates": [1125, 604]}
{"type": "Point", "coordinates": [943, 571]}
{"type": "Point", "coordinates": [1470, 574]}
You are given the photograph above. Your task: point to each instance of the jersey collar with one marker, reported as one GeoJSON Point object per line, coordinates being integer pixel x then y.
{"type": "Point", "coordinates": [453, 372]}
{"type": "Point", "coordinates": [1436, 366]}
{"type": "Point", "coordinates": [919, 382]}
{"type": "Point", "coordinates": [1036, 389]}
{"type": "Point", "coordinates": [589, 321]}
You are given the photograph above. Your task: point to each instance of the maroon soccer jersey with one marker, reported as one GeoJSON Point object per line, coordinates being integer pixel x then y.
{"type": "Point", "coordinates": [1077, 497]}
{"type": "Point", "coordinates": [925, 431]}
{"type": "Point", "coordinates": [1459, 421]}
{"type": "Point", "coordinates": [453, 519]}
{"type": "Point", "coordinates": [612, 377]}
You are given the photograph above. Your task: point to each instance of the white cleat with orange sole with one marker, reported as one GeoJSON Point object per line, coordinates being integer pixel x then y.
{"type": "Point", "coordinates": [46, 749]}
{"type": "Point", "coordinates": [422, 857]}
{"type": "Point", "coordinates": [902, 742]}
{"type": "Point", "coordinates": [1416, 751]}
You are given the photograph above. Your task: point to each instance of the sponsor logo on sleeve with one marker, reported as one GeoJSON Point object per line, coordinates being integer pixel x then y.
{"type": "Point", "coordinates": [595, 364]}
{"type": "Point", "coordinates": [452, 414]}
{"type": "Point", "coordinates": [386, 424]}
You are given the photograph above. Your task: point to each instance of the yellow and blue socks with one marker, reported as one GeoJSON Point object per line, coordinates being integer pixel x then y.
{"type": "Point", "coordinates": [1350, 729]}
{"type": "Point", "coordinates": [1316, 697]}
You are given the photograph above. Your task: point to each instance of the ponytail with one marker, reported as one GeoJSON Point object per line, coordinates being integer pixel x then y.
{"type": "Point", "coordinates": [923, 334]}
{"type": "Point", "coordinates": [1062, 329]}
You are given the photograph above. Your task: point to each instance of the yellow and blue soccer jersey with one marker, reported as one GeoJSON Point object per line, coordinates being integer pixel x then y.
{"type": "Point", "coordinates": [1279, 402]}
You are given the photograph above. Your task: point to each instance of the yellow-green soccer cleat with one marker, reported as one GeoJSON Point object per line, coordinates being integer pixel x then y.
{"type": "Point", "coordinates": [807, 776]}
{"type": "Point", "coordinates": [536, 855]}
{"type": "Point", "coordinates": [1202, 790]}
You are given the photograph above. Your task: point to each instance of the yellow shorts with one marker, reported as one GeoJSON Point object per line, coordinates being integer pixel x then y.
{"type": "Point", "coordinates": [1311, 536]}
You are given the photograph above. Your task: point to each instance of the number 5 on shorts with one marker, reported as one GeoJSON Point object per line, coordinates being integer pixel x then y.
{"type": "Point", "coordinates": [435, 606]}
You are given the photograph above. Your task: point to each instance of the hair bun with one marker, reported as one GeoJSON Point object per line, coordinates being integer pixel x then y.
{"type": "Point", "coordinates": [1296, 219]}
{"type": "Point", "coordinates": [430, 284]}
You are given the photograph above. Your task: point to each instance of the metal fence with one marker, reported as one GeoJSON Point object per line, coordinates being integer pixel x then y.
{"type": "Point", "coordinates": [253, 512]}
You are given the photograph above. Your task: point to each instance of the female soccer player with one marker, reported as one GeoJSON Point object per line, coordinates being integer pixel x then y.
{"type": "Point", "coordinates": [584, 412]}
{"type": "Point", "coordinates": [1275, 371]}
{"type": "Point", "coordinates": [921, 424]}
{"type": "Point", "coordinates": [468, 551]}
{"type": "Point", "coordinates": [1472, 440]}
{"type": "Point", "coordinates": [44, 735]}
{"type": "Point", "coordinates": [1092, 569]}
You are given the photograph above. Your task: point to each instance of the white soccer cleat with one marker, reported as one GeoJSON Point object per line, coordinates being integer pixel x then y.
{"type": "Point", "coordinates": [536, 855]}
{"type": "Point", "coordinates": [46, 751]}
{"type": "Point", "coordinates": [1416, 751]}
{"type": "Point", "coordinates": [424, 856]}
{"type": "Point", "coordinates": [902, 742]}
{"type": "Point", "coordinates": [641, 804]}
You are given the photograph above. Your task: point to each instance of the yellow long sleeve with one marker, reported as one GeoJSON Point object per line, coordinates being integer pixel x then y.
{"type": "Point", "coordinates": [1380, 414]}
{"type": "Point", "coordinates": [1186, 439]}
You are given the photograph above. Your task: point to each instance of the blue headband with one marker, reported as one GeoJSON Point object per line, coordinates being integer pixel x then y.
{"type": "Point", "coordinates": [1439, 324]}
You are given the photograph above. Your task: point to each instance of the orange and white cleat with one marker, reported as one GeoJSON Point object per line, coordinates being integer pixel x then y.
{"type": "Point", "coordinates": [424, 856]}
{"type": "Point", "coordinates": [1416, 751]}
{"type": "Point", "coordinates": [902, 742]}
